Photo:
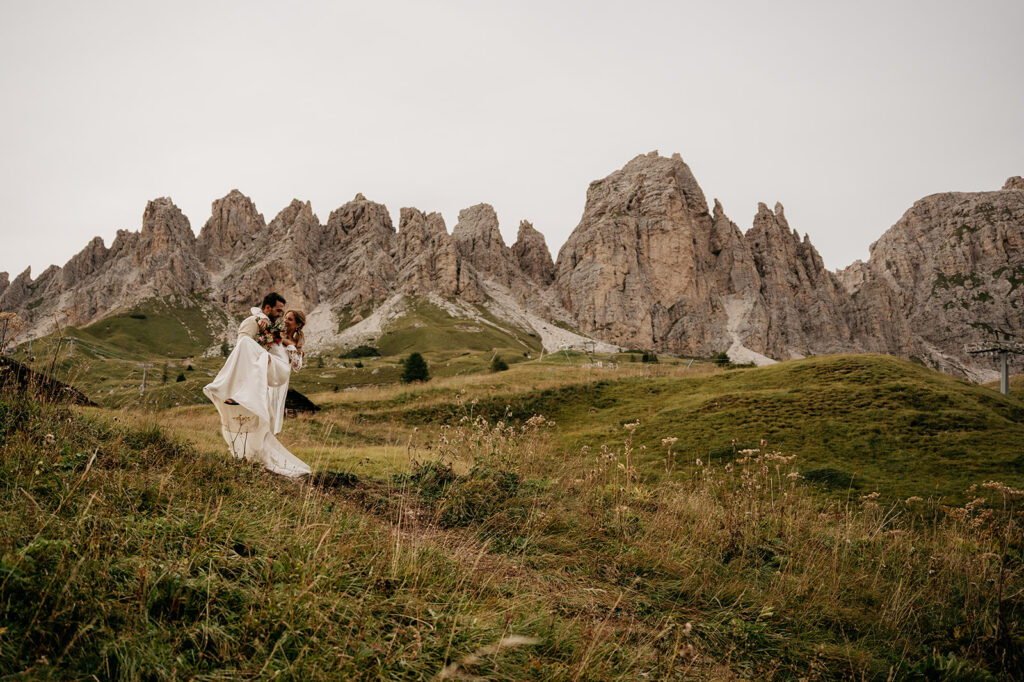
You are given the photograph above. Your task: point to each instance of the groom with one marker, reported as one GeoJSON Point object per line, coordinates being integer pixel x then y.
{"type": "Point", "coordinates": [272, 307]}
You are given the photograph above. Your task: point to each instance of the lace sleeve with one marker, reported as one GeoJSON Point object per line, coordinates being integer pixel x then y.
{"type": "Point", "coordinates": [295, 358]}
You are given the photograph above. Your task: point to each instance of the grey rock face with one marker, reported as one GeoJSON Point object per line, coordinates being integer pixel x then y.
{"type": "Point", "coordinates": [532, 256]}
{"type": "Point", "coordinates": [635, 269]}
{"type": "Point", "coordinates": [158, 261]}
{"type": "Point", "coordinates": [234, 225]}
{"type": "Point", "coordinates": [479, 244]}
{"type": "Point", "coordinates": [949, 272]}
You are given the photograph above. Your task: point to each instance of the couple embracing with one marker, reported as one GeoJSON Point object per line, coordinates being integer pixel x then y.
{"type": "Point", "coordinates": [250, 390]}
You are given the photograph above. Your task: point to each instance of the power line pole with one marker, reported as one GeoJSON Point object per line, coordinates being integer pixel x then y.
{"type": "Point", "coordinates": [1002, 350]}
{"type": "Point", "coordinates": [143, 389]}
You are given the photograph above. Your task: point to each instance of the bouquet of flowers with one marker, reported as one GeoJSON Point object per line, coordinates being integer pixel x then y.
{"type": "Point", "coordinates": [269, 332]}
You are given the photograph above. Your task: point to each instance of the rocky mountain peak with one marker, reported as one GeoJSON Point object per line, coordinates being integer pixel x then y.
{"type": "Point", "coordinates": [360, 217]}
{"type": "Point", "coordinates": [531, 254]}
{"type": "Point", "coordinates": [234, 224]}
{"type": "Point", "coordinates": [418, 230]}
{"type": "Point", "coordinates": [85, 262]}
{"type": "Point", "coordinates": [297, 213]}
{"type": "Point", "coordinates": [1015, 182]}
{"type": "Point", "coordinates": [164, 226]}
{"type": "Point", "coordinates": [479, 243]}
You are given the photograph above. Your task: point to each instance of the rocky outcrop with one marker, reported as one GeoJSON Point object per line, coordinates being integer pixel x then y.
{"type": "Point", "coordinates": [279, 259]}
{"type": "Point", "coordinates": [636, 270]}
{"type": "Point", "coordinates": [355, 255]}
{"type": "Point", "coordinates": [1015, 182]}
{"type": "Point", "coordinates": [158, 261]}
{"type": "Point", "coordinates": [428, 260]}
{"type": "Point", "coordinates": [649, 267]}
{"type": "Point", "coordinates": [478, 242]}
{"type": "Point", "coordinates": [233, 227]}
{"type": "Point", "coordinates": [949, 272]}
{"type": "Point", "coordinates": [16, 295]}
{"type": "Point", "coordinates": [803, 302]}
{"type": "Point", "coordinates": [532, 256]}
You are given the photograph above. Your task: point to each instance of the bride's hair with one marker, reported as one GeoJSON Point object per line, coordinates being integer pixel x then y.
{"type": "Point", "coordinates": [300, 321]}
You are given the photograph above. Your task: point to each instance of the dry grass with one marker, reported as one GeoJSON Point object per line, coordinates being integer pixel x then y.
{"type": "Point", "coordinates": [127, 554]}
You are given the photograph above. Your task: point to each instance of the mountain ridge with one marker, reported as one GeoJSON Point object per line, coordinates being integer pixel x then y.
{"type": "Point", "coordinates": [650, 265]}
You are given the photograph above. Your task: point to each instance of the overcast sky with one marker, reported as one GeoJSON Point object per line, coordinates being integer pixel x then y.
{"type": "Point", "coordinates": [845, 112]}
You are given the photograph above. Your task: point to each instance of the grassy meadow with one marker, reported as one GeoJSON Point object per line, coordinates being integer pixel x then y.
{"type": "Point", "coordinates": [842, 517]}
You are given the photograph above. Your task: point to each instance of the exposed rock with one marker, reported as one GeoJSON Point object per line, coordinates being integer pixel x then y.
{"type": "Point", "coordinates": [479, 243]}
{"type": "Point", "coordinates": [157, 261]}
{"type": "Point", "coordinates": [1015, 182]}
{"type": "Point", "coordinates": [4, 283]}
{"type": "Point", "coordinates": [355, 255]}
{"type": "Point", "coordinates": [234, 226]}
{"type": "Point", "coordinates": [803, 302]}
{"type": "Point", "coordinates": [86, 262]}
{"type": "Point", "coordinates": [428, 260]}
{"type": "Point", "coordinates": [279, 259]}
{"type": "Point", "coordinates": [16, 294]}
{"type": "Point", "coordinates": [532, 256]}
{"type": "Point", "coordinates": [637, 269]}
{"type": "Point", "coordinates": [949, 272]}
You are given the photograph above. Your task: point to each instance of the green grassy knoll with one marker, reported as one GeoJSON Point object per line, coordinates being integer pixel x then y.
{"type": "Point", "coordinates": [157, 328]}
{"type": "Point", "coordinates": [426, 327]}
{"type": "Point", "coordinates": [869, 422]}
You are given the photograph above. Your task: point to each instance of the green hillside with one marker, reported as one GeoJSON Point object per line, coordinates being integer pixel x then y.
{"type": "Point", "coordinates": [495, 552]}
{"type": "Point", "coordinates": [425, 327]}
{"type": "Point", "coordinates": [867, 422]}
{"type": "Point", "coordinates": [860, 423]}
{"type": "Point", "coordinates": [156, 328]}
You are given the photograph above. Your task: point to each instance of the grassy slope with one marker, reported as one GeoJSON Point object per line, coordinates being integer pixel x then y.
{"type": "Point", "coordinates": [892, 425]}
{"type": "Point", "coordinates": [126, 554]}
{"type": "Point", "coordinates": [426, 328]}
{"type": "Point", "coordinates": [154, 328]}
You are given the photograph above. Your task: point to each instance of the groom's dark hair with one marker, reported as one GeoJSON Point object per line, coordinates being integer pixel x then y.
{"type": "Point", "coordinates": [272, 299]}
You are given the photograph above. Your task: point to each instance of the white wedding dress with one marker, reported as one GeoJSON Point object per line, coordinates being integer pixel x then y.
{"type": "Point", "coordinates": [258, 381]}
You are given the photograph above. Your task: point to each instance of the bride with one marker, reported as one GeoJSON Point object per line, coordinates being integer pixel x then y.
{"type": "Point", "coordinates": [292, 341]}
{"type": "Point", "coordinates": [249, 391]}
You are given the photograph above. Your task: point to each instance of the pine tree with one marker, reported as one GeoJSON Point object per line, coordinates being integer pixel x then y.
{"type": "Point", "coordinates": [415, 369]}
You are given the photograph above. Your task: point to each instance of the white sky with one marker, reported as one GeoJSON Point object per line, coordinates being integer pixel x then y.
{"type": "Point", "coordinates": [845, 112]}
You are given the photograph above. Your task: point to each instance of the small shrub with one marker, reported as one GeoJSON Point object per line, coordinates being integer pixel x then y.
{"type": "Point", "coordinates": [181, 377]}
{"type": "Point", "coordinates": [498, 365]}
